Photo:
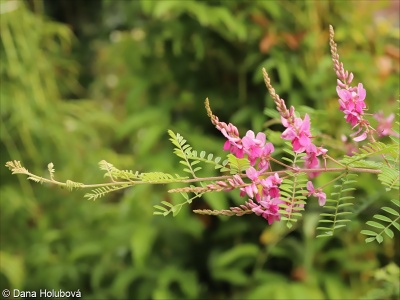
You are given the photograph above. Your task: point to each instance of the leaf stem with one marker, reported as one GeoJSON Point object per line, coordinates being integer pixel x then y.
{"type": "Point", "coordinates": [198, 179]}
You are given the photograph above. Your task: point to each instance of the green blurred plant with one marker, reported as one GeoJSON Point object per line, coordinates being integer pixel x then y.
{"type": "Point", "coordinates": [156, 61]}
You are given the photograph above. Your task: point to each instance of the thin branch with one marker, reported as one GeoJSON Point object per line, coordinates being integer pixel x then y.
{"type": "Point", "coordinates": [198, 179]}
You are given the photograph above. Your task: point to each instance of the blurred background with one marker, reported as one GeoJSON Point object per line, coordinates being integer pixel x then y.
{"type": "Point", "coordinates": [83, 81]}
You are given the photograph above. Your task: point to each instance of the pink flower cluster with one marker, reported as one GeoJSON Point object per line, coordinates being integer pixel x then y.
{"type": "Point", "coordinates": [352, 103]}
{"type": "Point", "coordinates": [254, 146]}
{"type": "Point", "coordinates": [298, 132]}
{"type": "Point", "coordinates": [264, 191]}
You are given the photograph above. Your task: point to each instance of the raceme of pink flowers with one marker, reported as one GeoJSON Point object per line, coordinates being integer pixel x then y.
{"type": "Point", "coordinates": [352, 103]}
{"type": "Point", "coordinates": [298, 132]}
{"type": "Point", "coordinates": [263, 192]}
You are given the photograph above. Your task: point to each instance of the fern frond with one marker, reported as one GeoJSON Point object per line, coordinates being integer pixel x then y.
{"type": "Point", "coordinates": [368, 150]}
{"type": "Point", "coordinates": [175, 209]}
{"type": "Point", "coordinates": [209, 159]}
{"type": "Point", "coordinates": [183, 150]}
{"type": "Point", "coordinates": [113, 172]}
{"type": "Point", "coordinates": [73, 185]}
{"type": "Point", "coordinates": [293, 192]}
{"type": "Point", "coordinates": [338, 206]}
{"type": "Point", "coordinates": [36, 179]}
{"type": "Point", "coordinates": [101, 191]}
{"type": "Point", "coordinates": [159, 177]}
{"type": "Point", "coordinates": [237, 165]}
{"type": "Point", "coordinates": [368, 164]}
{"type": "Point", "coordinates": [383, 224]}
{"type": "Point", "coordinates": [124, 174]}
{"type": "Point", "coordinates": [16, 168]}
{"type": "Point", "coordinates": [390, 178]}
{"type": "Point", "coordinates": [50, 168]}
{"type": "Point", "coordinates": [293, 189]}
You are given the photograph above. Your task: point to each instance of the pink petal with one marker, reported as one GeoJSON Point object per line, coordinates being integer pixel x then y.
{"type": "Point", "coordinates": [345, 95]}
{"type": "Point", "coordinates": [321, 198]}
{"type": "Point", "coordinates": [306, 124]}
{"type": "Point", "coordinates": [261, 137]}
{"type": "Point", "coordinates": [361, 137]}
{"type": "Point", "coordinates": [310, 187]}
{"type": "Point", "coordinates": [284, 122]}
{"type": "Point", "coordinates": [361, 92]}
{"type": "Point", "coordinates": [288, 134]}
{"type": "Point", "coordinates": [250, 134]}
{"type": "Point", "coordinates": [252, 173]}
{"type": "Point", "coordinates": [227, 145]}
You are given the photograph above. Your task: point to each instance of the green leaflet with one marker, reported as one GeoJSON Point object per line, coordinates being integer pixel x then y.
{"type": "Point", "coordinates": [371, 149]}
{"type": "Point", "coordinates": [390, 178]}
{"type": "Point", "coordinates": [101, 191]}
{"type": "Point", "coordinates": [337, 206]}
{"type": "Point", "coordinates": [168, 207]}
{"type": "Point", "coordinates": [293, 190]}
{"type": "Point", "coordinates": [383, 224]}
{"type": "Point", "coordinates": [190, 157]}
{"type": "Point", "coordinates": [237, 165]}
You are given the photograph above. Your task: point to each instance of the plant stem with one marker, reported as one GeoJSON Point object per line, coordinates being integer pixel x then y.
{"type": "Point", "coordinates": [198, 179]}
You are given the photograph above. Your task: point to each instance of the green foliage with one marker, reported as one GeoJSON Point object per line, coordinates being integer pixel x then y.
{"type": "Point", "coordinates": [389, 175]}
{"type": "Point", "coordinates": [101, 191]}
{"type": "Point", "coordinates": [145, 67]}
{"type": "Point", "coordinates": [237, 165]}
{"type": "Point", "coordinates": [293, 189]}
{"type": "Point", "coordinates": [383, 224]}
{"type": "Point", "coordinates": [337, 206]}
{"type": "Point", "coordinates": [175, 209]}
{"type": "Point", "coordinates": [210, 160]}
{"type": "Point", "coordinates": [182, 150]}
{"type": "Point", "coordinates": [293, 192]}
{"type": "Point", "coordinates": [369, 150]}
{"type": "Point", "coordinates": [388, 283]}
{"type": "Point", "coordinates": [190, 157]}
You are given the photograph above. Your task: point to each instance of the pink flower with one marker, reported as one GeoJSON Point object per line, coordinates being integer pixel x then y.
{"type": "Point", "coordinates": [264, 158]}
{"type": "Point", "coordinates": [361, 137]}
{"type": "Point", "coordinates": [236, 180]}
{"type": "Point", "coordinates": [260, 187]}
{"type": "Point", "coordinates": [253, 145]}
{"type": "Point", "coordinates": [352, 103]}
{"type": "Point", "coordinates": [298, 133]}
{"type": "Point", "coordinates": [252, 189]}
{"type": "Point", "coordinates": [253, 174]}
{"type": "Point", "coordinates": [270, 186]}
{"type": "Point", "coordinates": [311, 160]}
{"type": "Point", "coordinates": [316, 193]}
{"type": "Point", "coordinates": [234, 143]}
{"type": "Point", "coordinates": [384, 127]}
{"type": "Point", "coordinates": [267, 208]}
